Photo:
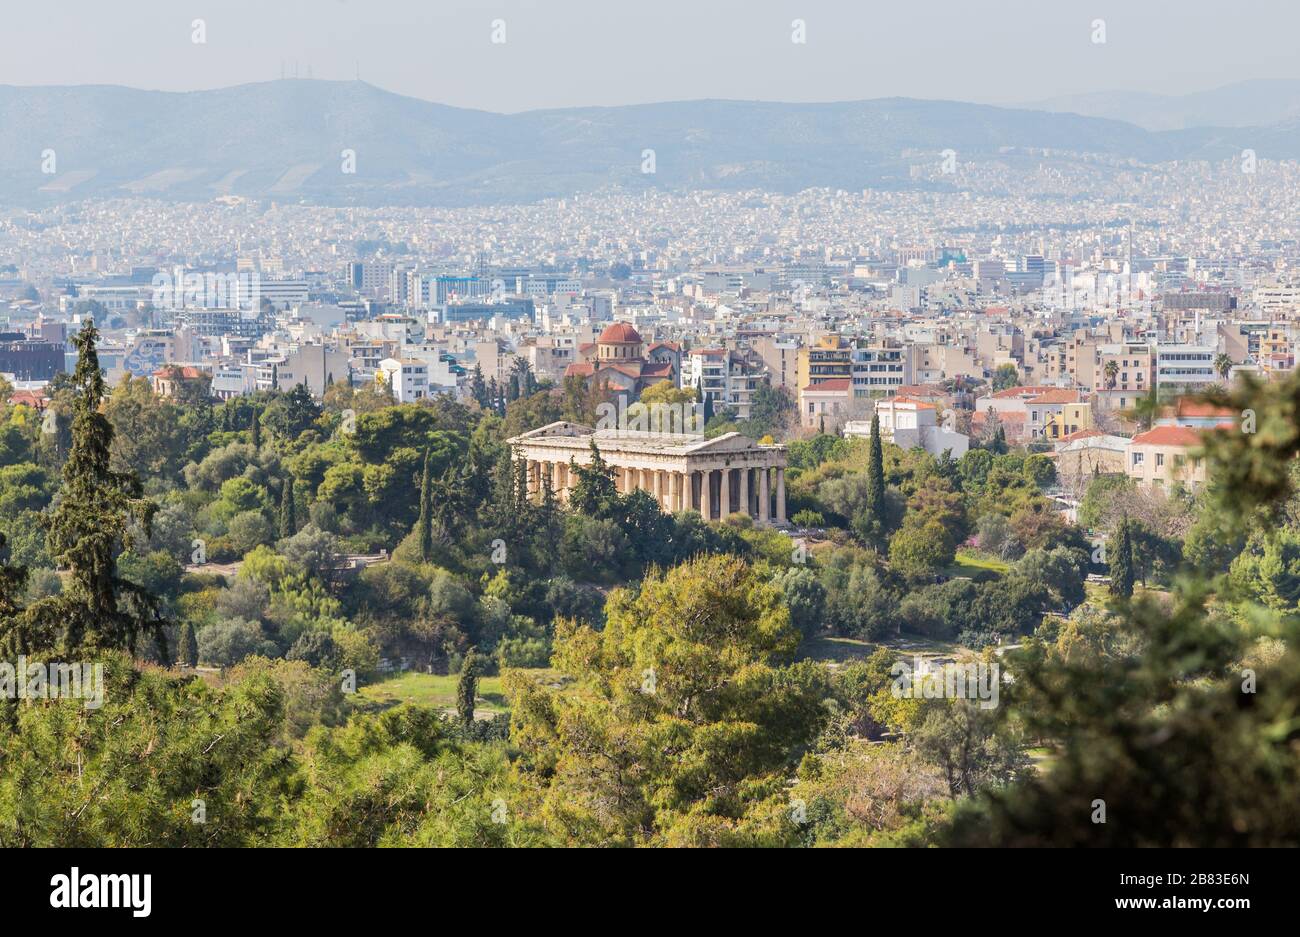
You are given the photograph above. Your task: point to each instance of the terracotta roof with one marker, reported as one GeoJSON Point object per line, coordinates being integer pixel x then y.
{"type": "Point", "coordinates": [1199, 409]}
{"type": "Point", "coordinates": [1168, 436]}
{"type": "Point", "coordinates": [1057, 396]}
{"type": "Point", "coordinates": [1081, 434]}
{"type": "Point", "coordinates": [921, 390]}
{"type": "Point", "coordinates": [1027, 391]}
{"type": "Point", "coordinates": [31, 398]}
{"type": "Point", "coordinates": [619, 333]}
{"type": "Point", "coordinates": [834, 384]}
{"type": "Point", "coordinates": [918, 404]}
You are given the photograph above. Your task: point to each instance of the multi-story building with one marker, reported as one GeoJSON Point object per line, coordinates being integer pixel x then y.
{"type": "Point", "coordinates": [912, 424]}
{"type": "Point", "coordinates": [1186, 367]}
{"type": "Point", "coordinates": [1165, 456]}
{"type": "Point", "coordinates": [830, 358]}
{"type": "Point", "coordinates": [406, 378]}
{"type": "Point", "coordinates": [879, 370]}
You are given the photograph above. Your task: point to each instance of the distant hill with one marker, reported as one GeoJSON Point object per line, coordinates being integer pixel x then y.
{"type": "Point", "coordinates": [284, 140]}
{"type": "Point", "coordinates": [1243, 104]}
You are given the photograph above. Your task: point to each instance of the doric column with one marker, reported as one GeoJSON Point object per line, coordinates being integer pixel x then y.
{"type": "Point", "coordinates": [764, 496]}
{"type": "Point", "coordinates": [744, 491]}
{"type": "Point", "coordinates": [706, 496]}
{"type": "Point", "coordinates": [724, 508]}
{"type": "Point", "coordinates": [780, 495]}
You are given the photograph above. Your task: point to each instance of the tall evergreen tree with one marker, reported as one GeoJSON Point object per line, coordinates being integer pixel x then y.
{"type": "Point", "coordinates": [478, 387]}
{"type": "Point", "coordinates": [467, 688]}
{"type": "Point", "coordinates": [90, 527]}
{"type": "Point", "coordinates": [288, 517]}
{"type": "Point", "coordinates": [876, 474]}
{"type": "Point", "coordinates": [595, 493]}
{"type": "Point", "coordinates": [187, 651]}
{"type": "Point", "coordinates": [256, 427]}
{"type": "Point", "coordinates": [425, 526]}
{"type": "Point", "coordinates": [12, 581]}
{"type": "Point", "coordinates": [1123, 568]}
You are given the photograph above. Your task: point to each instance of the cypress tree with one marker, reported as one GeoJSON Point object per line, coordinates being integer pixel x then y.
{"type": "Point", "coordinates": [478, 387]}
{"type": "Point", "coordinates": [1122, 565]}
{"type": "Point", "coordinates": [288, 518]}
{"type": "Point", "coordinates": [425, 527]}
{"type": "Point", "coordinates": [876, 474]}
{"type": "Point", "coordinates": [467, 688]}
{"type": "Point", "coordinates": [89, 529]}
{"type": "Point", "coordinates": [187, 652]}
{"type": "Point", "coordinates": [257, 429]}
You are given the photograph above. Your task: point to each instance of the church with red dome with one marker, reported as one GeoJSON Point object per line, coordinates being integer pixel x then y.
{"type": "Point", "coordinates": [619, 360]}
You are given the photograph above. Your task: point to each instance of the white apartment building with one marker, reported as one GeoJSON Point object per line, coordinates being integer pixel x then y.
{"type": "Point", "coordinates": [912, 424]}
{"type": "Point", "coordinates": [407, 378]}
{"type": "Point", "coordinates": [724, 377]}
{"type": "Point", "coordinates": [1190, 366]}
{"type": "Point", "coordinates": [316, 366]}
{"type": "Point", "coordinates": [879, 370]}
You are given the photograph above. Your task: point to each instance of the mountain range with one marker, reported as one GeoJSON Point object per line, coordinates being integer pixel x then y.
{"type": "Point", "coordinates": [1255, 103]}
{"type": "Point", "coordinates": [286, 140]}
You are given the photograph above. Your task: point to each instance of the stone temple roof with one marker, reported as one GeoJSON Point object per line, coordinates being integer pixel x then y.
{"type": "Point", "coordinates": [578, 436]}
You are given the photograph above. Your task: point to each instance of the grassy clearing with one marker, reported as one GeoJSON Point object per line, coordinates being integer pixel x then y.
{"type": "Point", "coordinates": [836, 650]}
{"type": "Point", "coordinates": [436, 690]}
{"type": "Point", "coordinates": [970, 562]}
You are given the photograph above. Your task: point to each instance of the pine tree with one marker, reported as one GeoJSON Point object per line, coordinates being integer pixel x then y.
{"type": "Point", "coordinates": [187, 652]}
{"type": "Point", "coordinates": [467, 688]}
{"type": "Point", "coordinates": [92, 524]}
{"type": "Point", "coordinates": [1122, 561]}
{"type": "Point", "coordinates": [595, 493]}
{"type": "Point", "coordinates": [425, 526]}
{"type": "Point", "coordinates": [288, 518]}
{"type": "Point", "coordinates": [13, 579]}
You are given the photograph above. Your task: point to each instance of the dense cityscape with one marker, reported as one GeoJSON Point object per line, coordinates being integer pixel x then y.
{"type": "Point", "coordinates": [957, 508]}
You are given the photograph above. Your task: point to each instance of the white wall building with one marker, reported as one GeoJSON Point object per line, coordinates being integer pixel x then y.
{"type": "Point", "coordinates": [912, 424]}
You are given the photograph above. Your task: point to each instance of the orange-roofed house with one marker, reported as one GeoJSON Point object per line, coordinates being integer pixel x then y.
{"type": "Point", "coordinates": [1046, 409]}
{"type": "Point", "coordinates": [827, 401]}
{"type": "Point", "coordinates": [35, 399]}
{"type": "Point", "coordinates": [1165, 456]}
{"type": "Point", "coordinates": [1196, 414]}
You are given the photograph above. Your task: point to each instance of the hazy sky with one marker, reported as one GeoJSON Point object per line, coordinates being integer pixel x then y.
{"type": "Point", "coordinates": [570, 52]}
